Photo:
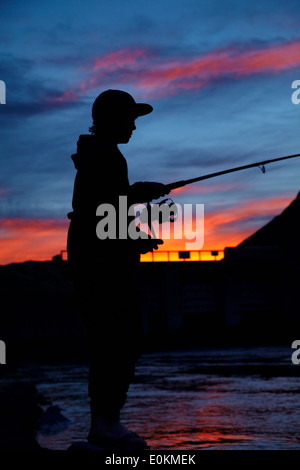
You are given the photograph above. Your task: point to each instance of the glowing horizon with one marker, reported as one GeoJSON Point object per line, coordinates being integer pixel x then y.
{"type": "Point", "coordinates": [40, 240]}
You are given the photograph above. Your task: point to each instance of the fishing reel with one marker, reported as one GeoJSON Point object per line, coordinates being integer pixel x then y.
{"type": "Point", "coordinates": [162, 211]}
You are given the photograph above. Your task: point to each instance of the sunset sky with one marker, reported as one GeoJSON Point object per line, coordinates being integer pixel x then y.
{"type": "Point", "coordinates": [218, 74]}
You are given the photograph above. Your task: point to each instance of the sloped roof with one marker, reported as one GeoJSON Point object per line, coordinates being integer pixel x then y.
{"type": "Point", "coordinates": [283, 230]}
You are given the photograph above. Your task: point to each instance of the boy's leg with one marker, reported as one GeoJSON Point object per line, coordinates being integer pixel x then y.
{"type": "Point", "coordinates": [115, 334]}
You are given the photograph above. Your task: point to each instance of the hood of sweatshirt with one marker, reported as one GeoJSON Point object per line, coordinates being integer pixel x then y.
{"type": "Point", "coordinates": [89, 149]}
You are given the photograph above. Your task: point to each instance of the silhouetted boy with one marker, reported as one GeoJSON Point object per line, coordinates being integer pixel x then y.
{"type": "Point", "coordinates": [104, 270]}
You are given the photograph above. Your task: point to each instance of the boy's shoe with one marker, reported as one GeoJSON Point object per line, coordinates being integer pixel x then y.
{"type": "Point", "coordinates": [129, 441]}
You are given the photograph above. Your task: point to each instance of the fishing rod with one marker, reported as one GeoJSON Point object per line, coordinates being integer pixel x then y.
{"type": "Point", "coordinates": [261, 165]}
{"type": "Point", "coordinates": [181, 183]}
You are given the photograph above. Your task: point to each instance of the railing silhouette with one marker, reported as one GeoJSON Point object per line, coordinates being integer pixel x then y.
{"type": "Point", "coordinates": [174, 255]}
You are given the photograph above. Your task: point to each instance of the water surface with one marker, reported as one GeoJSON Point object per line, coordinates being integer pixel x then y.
{"type": "Point", "coordinates": [232, 398]}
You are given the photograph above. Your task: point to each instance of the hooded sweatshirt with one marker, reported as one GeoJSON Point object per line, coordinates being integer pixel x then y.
{"type": "Point", "coordinates": [102, 176]}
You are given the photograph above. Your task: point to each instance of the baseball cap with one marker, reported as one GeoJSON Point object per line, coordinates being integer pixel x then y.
{"type": "Point", "coordinates": [117, 102]}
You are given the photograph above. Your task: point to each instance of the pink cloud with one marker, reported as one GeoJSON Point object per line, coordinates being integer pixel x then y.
{"type": "Point", "coordinates": [95, 71]}
{"type": "Point", "coordinates": [3, 191]}
{"type": "Point", "coordinates": [196, 73]}
{"type": "Point", "coordinates": [157, 78]}
{"type": "Point", "coordinates": [67, 96]}
{"type": "Point", "coordinates": [123, 58]}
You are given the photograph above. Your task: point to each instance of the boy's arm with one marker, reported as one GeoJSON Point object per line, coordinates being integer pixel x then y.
{"type": "Point", "coordinates": [145, 191]}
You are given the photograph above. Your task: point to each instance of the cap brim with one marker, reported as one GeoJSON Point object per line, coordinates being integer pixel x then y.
{"type": "Point", "coordinates": [142, 109]}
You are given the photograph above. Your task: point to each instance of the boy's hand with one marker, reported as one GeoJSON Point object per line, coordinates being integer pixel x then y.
{"type": "Point", "coordinates": [148, 244]}
{"type": "Point", "coordinates": [157, 190]}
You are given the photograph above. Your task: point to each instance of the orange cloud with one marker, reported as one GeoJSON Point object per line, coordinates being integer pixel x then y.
{"type": "Point", "coordinates": [23, 240]}
{"type": "Point", "coordinates": [225, 227]}
{"type": "Point", "coordinates": [39, 240]}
